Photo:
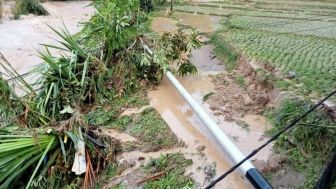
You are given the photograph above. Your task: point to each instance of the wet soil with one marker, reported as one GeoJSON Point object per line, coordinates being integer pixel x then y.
{"type": "Point", "coordinates": [241, 92]}
{"type": "Point", "coordinates": [163, 24]}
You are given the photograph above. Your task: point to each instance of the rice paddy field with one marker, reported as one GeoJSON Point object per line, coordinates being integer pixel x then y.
{"type": "Point", "coordinates": [292, 36]}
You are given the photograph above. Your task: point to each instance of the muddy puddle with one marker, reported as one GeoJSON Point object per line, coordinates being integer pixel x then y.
{"type": "Point", "coordinates": [163, 24]}
{"type": "Point", "coordinates": [201, 23]}
{"type": "Point", "coordinates": [205, 60]}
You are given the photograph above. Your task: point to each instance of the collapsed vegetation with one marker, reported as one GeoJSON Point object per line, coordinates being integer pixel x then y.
{"type": "Point", "coordinates": [48, 128]}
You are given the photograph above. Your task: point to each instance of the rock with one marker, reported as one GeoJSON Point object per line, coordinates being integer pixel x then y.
{"type": "Point", "coordinates": [132, 163]}
{"type": "Point", "coordinates": [210, 171]}
{"type": "Point", "coordinates": [262, 100]}
{"type": "Point", "coordinates": [200, 148]}
{"type": "Point", "coordinates": [251, 87]}
{"type": "Point", "coordinates": [123, 165]}
{"type": "Point", "coordinates": [236, 96]}
{"type": "Point", "coordinates": [203, 38]}
{"type": "Point", "coordinates": [247, 100]}
{"type": "Point", "coordinates": [291, 75]}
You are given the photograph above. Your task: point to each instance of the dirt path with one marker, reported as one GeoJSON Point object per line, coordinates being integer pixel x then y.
{"type": "Point", "coordinates": [19, 39]}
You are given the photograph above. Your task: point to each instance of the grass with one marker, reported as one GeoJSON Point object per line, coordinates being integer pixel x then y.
{"type": "Point", "coordinates": [224, 52]}
{"type": "Point", "coordinates": [240, 80]}
{"type": "Point", "coordinates": [151, 128]}
{"type": "Point", "coordinates": [174, 165]}
{"type": "Point", "coordinates": [108, 112]}
{"type": "Point", "coordinates": [308, 145]}
{"type": "Point", "coordinates": [207, 96]}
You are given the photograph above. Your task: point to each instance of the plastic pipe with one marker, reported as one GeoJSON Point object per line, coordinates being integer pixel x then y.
{"type": "Point", "coordinates": [247, 169]}
{"type": "Point", "coordinates": [211, 125]}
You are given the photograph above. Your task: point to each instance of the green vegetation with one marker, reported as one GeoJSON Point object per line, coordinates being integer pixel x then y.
{"type": "Point", "coordinates": [240, 80]}
{"type": "Point", "coordinates": [23, 7]}
{"type": "Point", "coordinates": [207, 96]}
{"type": "Point", "coordinates": [173, 165]}
{"type": "Point", "coordinates": [18, 153]}
{"type": "Point", "coordinates": [151, 128]}
{"type": "Point", "coordinates": [308, 144]}
{"type": "Point", "coordinates": [311, 58]}
{"type": "Point", "coordinates": [225, 52]}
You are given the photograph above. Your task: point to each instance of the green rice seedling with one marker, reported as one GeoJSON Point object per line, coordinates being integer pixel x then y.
{"type": "Point", "coordinates": [23, 7]}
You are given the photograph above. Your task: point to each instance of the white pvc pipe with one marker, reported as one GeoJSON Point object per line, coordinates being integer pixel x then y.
{"type": "Point", "coordinates": [219, 135]}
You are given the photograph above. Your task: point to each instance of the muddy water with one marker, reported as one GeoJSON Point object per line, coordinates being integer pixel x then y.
{"type": "Point", "coordinates": [19, 39]}
{"type": "Point", "coordinates": [163, 24]}
{"type": "Point", "coordinates": [187, 126]}
{"type": "Point", "coordinates": [206, 61]}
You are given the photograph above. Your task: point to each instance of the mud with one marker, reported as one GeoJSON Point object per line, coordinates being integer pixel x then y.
{"type": "Point", "coordinates": [163, 24]}
{"type": "Point", "coordinates": [202, 23]}
{"type": "Point", "coordinates": [241, 92]}
{"type": "Point", "coordinates": [19, 39]}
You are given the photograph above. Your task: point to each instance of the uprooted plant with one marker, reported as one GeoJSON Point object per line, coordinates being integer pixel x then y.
{"type": "Point", "coordinates": [23, 7]}
{"type": "Point", "coordinates": [44, 126]}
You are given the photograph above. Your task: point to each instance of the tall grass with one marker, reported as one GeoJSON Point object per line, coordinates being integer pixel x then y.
{"type": "Point", "coordinates": [308, 144]}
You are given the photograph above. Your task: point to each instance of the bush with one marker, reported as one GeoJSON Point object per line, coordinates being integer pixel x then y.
{"type": "Point", "coordinates": [23, 7]}
{"type": "Point", "coordinates": [146, 5]}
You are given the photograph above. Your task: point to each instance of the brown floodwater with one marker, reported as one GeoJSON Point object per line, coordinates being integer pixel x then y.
{"type": "Point", "coordinates": [174, 110]}
{"type": "Point", "coordinates": [187, 126]}
{"type": "Point", "coordinates": [19, 39]}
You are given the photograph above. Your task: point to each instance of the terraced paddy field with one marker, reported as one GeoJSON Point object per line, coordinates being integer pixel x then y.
{"type": "Point", "coordinates": [296, 37]}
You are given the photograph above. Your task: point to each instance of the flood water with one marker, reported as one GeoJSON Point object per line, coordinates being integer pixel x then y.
{"type": "Point", "coordinates": [187, 126]}
{"type": "Point", "coordinates": [19, 39]}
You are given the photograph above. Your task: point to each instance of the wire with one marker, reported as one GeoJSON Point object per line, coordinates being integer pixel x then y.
{"type": "Point", "coordinates": [254, 152]}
